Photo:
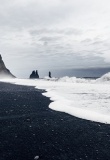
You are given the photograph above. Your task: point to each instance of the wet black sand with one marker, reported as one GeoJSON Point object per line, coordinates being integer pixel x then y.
{"type": "Point", "coordinates": [28, 128]}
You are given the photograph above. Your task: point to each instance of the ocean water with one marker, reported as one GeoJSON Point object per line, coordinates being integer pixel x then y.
{"type": "Point", "coordinates": [85, 72]}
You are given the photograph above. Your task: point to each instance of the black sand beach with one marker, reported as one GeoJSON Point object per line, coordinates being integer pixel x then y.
{"type": "Point", "coordinates": [28, 128]}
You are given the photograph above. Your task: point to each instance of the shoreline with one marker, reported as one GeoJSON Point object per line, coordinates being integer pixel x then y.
{"type": "Point", "coordinates": [78, 97]}
{"type": "Point", "coordinates": [40, 131]}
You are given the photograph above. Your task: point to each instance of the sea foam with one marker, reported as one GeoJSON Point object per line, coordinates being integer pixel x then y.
{"type": "Point", "coordinates": [83, 98]}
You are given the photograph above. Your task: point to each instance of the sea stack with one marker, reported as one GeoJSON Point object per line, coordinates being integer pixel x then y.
{"type": "Point", "coordinates": [34, 75]}
{"type": "Point", "coordinates": [50, 75]}
{"type": "Point", "coordinates": [4, 72]}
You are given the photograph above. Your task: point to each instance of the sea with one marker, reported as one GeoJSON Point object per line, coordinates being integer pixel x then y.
{"type": "Point", "coordinates": [81, 73]}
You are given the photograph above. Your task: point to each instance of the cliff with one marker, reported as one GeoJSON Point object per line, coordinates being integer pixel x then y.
{"type": "Point", "coordinates": [4, 72]}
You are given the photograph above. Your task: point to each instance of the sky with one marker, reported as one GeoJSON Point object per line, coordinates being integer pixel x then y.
{"type": "Point", "coordinates": [54, 34]}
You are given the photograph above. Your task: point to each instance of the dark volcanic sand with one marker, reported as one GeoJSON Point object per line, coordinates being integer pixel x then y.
{"type": "Point", "coordinates": [28, 128]}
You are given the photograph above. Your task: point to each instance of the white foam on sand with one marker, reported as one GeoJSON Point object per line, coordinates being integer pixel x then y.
{"type": "Point", "coordinates": [86, 99]}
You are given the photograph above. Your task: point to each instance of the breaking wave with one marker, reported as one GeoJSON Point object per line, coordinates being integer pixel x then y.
{"type": "Point", "coordinates": [70, 79]}
{"type": "Point", "coordinates": [105, 78]}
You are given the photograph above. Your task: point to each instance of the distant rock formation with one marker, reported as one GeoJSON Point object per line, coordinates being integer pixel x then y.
{"type": "Point", "coordinates": [34, 75]}
{"type": "Point", "coordinates": [4, 72]}
{"type": "Point", "coordinates": [50, 75]}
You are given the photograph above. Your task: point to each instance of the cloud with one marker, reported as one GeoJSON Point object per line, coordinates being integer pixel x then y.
{"type": "Point", "coordinates": [69, 33]}
{"type": "Point", "coordinates": [64, 31]}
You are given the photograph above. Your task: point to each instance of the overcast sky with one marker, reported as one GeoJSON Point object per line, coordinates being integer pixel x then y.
{"type": "Point", "coordinates": [54, 34]}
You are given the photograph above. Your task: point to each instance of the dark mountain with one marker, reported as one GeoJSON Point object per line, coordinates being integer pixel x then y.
{"type": "Point", "coordinates": [4, 72]}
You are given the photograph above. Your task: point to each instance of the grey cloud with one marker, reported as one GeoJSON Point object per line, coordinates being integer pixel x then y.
{"type": "Point", "coordinates": [97, 42]}
{"type": "Point", "coordinates": [32, 13]}
{"type": "Point", "coordinates": [66, 31]}
{"type": "Point", "coordinates": [49, 39]}
{"type": "Point", "coordinates": [88, 40]}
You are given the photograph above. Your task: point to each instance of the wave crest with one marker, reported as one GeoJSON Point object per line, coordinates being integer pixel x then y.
{"type": "Point", "coordinates": [104, 78]}
{"type": "Point", "coordinates": [70, 79]}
